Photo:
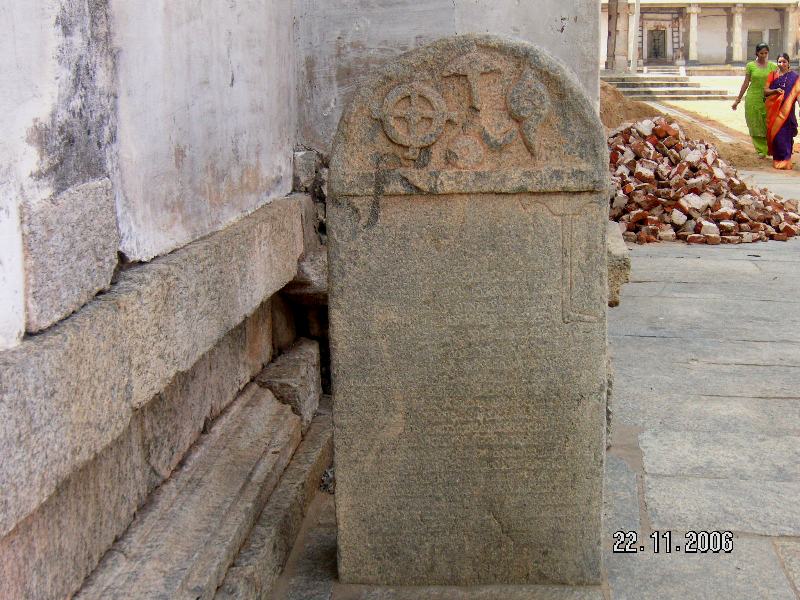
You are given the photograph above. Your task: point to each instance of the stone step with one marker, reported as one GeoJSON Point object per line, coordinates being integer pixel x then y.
{"type": "Point", "coordinates": [666, 83]}
{"type": "Point", "coordinates": [648, 77]}
{"type": "Point", "coordinates": [182, 542]}
{"type": "Point", "coordinates": [674, 91]}
{"type": "Point", "coordinates": [264, 554]}
{"type": "Point", "coordinates": [655, 95]}
{"type": "Point", "coordinates": [670, 91]}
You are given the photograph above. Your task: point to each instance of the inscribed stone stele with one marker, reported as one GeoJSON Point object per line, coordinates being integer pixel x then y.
{"type": "Point", "coordinates": [468, 320]}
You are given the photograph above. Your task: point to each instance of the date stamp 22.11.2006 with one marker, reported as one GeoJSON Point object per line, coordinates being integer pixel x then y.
{"type": "Point", "coordinates": [663, 542]}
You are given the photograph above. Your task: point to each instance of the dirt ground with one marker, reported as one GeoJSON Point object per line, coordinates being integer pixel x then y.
{"type": "Point", "coordinates": [616, 109]}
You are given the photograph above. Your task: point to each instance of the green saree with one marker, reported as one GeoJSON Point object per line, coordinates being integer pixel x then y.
{"type": "Point", "coordinates": [754, 110]}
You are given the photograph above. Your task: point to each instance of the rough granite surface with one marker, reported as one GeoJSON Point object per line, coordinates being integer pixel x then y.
{"type": "Point", "coordinates": [619, 263]}
{"type": "Point", "coordinates": [129, 343]}
{"type": "Point", "coordinates": [182, 542]}
{"type": "Point", "coordinates": [468, 298]}
{"type": "Point", "coordinates": [263, 555]}
{"type": "Point", "coordinates": [70, 244]}
{"type": "Point", "coordinates": [51, 552]}
{"type": "Point", "coordinates": [294, 378]}
{"type": "Point", "coordinates": [311, 284]}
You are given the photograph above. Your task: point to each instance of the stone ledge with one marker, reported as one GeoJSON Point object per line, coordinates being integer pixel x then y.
{"type": "Point", "coordinates": [619, 263]}
{"type": "Point", "coordinates": [294, 378]}
{"type": "Point", "coordinates": [264, 554]}
{"type": "Point", "coordinates": [182, 542]}
{"type": "Point", "coordinates": [67, 393]}
{"type": "Point", "coordinates": [50, 552]}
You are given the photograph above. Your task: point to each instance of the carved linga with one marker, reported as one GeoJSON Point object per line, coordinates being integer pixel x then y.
{"type": "Point", "coordinates": [478, 104]}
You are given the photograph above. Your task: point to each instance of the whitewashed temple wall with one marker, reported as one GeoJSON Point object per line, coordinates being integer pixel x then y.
{"type": "Point", "coordinates": [133, 128]}
{"type": "Point", "coordinates": [206, 108]}
{"type": "Point", "coordinates": [340, 40]}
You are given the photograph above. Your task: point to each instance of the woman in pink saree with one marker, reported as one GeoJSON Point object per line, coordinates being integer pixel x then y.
{"type": "Point", "coordinates": [781, 92]}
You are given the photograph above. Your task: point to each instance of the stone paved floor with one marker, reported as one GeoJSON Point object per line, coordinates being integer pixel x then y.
{"type": "Point", "coordinates": [706, 420]}
{"type": "Point", "coordinates": [705, 436]}
{"type": "Point", "coordinates": [784, 183]}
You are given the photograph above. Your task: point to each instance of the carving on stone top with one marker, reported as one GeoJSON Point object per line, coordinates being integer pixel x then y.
{"type": "Point", "coordinates": [424, 112]}
{"type": "Point", "coordinates": [529, 104]}
{"type": "Point", "coordinates": [470, 114]}
{"type": "Point", "coordinates": [471, 66]}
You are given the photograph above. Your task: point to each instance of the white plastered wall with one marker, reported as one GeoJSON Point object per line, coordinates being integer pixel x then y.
{"type": "Point", "coordinates": [339, 41]}
{"type": "Point", "coordinates": [28, 90]}
{"type": "Point", "coordinates": [712, 38]}
{"type": "Point", "coordinates": [205, 116]}
{"type": "Point", "coordinates": [761, 19]}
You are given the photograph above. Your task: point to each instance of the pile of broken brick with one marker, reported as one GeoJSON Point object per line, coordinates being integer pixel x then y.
{"type": "Point", "coordinates": [669, 187]}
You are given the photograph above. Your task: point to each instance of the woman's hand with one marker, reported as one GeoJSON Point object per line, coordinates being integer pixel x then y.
{"type": "Point", "coordinates": [745, 85]}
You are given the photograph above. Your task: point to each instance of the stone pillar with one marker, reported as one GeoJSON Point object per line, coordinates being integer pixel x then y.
{"type": "Point", "coordinates": [623, 33]}
{"type": "Point", "coordinates": [467, 227]}
{"type": "Point", "coordinates": [621, 55]}
{"type": "Point", "coordinates": [633, 38]}
{"type": "Point", "coordinates": [790, 31]}
{"type": "Point", "coordinates": [693, 11]}
{"type": "Point", "coordinates": [737, 45]}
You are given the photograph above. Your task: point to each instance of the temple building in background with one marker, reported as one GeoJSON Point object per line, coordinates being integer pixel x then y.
{"type": "Point", "coordinates": [712, 32]}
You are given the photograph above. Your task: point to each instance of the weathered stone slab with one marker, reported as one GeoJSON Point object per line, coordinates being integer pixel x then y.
{"type": "Point", "coordinates": [294, 378]}
{"type": "Point", "coordinates": [789, 554]}
{"type": "Point", "coordinates": [70, 246]}
{"type": "Point", "coordinates": [468, 297]}
{"type": "Point", "coordinates": [264, 554]}
{"type": "Point", "coordinates": [311, 284]}
{"type": "Point", "coordinates": [69, 392]}
{"type": "Point", "coordinates": [749, 506]}
{"type": "Point", "coordinates": [51, 552]}
{"type": "Point", "coordinates": [723, 455]}
{"type": "Point", "coordinates": [174, 419]}
{"type": "Point", "coordinates": [335, 53]}
{"type": "Point", "coordinates": [751, 570]}
{"type": "Point", "coordinates": [181, 544]}
{"type": "Point", "coordinates": [619, 263]}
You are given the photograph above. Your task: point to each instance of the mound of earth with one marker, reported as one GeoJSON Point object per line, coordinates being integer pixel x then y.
{"type": "Point", "coordinates": [617, 109]}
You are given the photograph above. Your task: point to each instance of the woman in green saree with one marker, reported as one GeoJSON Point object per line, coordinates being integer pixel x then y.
{"type": "Point", "coordinates": [755, 113]}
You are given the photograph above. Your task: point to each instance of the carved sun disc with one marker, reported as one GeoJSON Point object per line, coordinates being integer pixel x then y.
{"type": "Point", "coordinates": [424, 115]}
